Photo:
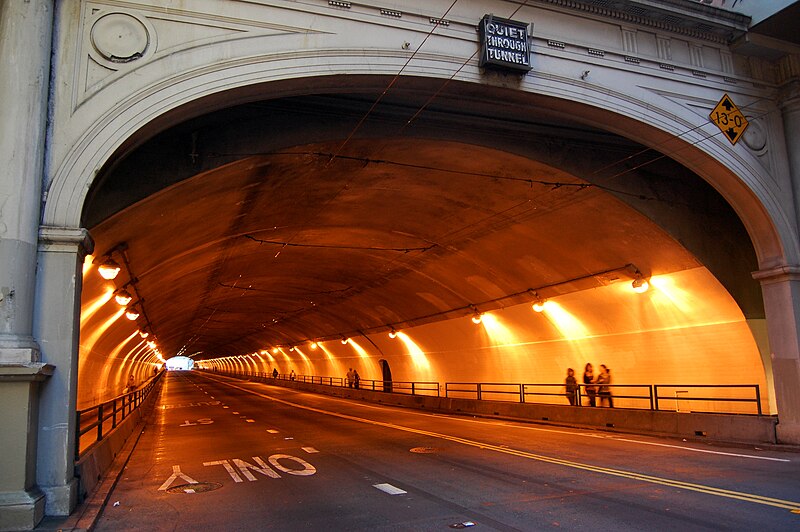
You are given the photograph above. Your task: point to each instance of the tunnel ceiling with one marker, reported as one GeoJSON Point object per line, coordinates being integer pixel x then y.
{"type": "Point", "coordinates": [262, 225]}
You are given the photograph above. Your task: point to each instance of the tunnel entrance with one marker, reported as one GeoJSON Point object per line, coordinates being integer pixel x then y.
{"type": "Point", "coordinates": [267, 229]}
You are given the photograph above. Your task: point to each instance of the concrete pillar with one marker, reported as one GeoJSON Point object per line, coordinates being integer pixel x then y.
{"type": "Point", "coordinates": [25, 46]}
{"type": "Point", "coordinates": [57, 328]}
{"type": "Point", "coordinates": [781, 288]}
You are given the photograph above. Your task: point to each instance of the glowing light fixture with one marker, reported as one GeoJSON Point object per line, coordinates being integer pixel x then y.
{"type": "Point", "coordinates": [393, 333]}
{"type": "Point", "coordinates": [144, 334]}
{"type": "Point", "coordinates": [131, 313]}
{"type": "Point", "coordinates": [538, 305]}
{"type": "Point", "coordinates": [108, 269]}
{"type": "Point", "coordinates": [314, 345]}
{"type": "Point", "coordinates": [122, 297]}
{"type": "Point", "coordinates": [345, 339]}
{"type": "Point", "coordinates": [275, 350]}
{"type": "Point", "coordinates": [151, 344]}
{"type": "Point", "coordinates": [640, 284]}
{"type": "Point", "coordinates": [477, 317]}
{"type": "Point", "coordinates": [291, 348]}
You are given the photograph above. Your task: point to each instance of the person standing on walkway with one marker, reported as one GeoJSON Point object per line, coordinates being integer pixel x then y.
{"type": "Point", "coordinates": [274, 373]}
{"type": "Point", "coordinates": [588, 381]}
{"type": "Point", "coordinates": [356, 379]}
{"type": "Point", "coordinates": [572, 387]}
{"type": "Point", "coordinates": [604, 390]}
{"type": "Point", "coordinates": [350, 378]}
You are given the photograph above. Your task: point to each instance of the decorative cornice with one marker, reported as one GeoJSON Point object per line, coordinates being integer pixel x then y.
{"type": "Point", "coordinates": [683, 17]}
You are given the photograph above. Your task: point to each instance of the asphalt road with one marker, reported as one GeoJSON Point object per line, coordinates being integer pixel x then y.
{"type": "Point", "coordinates": [223, 454]}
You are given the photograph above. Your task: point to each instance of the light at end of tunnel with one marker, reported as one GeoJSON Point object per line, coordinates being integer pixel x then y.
{"type": "Point", "coordinates": [122, 297]}
{"type": "Point", "coordinates": [640, 284]}
{"type": "Point", "coordinates": [131, 314]}
{"type": "Point", "coordinates": [108, 269]}
{"type": "Point", "coordinates": [393, 333]}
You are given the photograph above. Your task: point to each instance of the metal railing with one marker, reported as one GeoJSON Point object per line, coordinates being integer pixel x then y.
{"type": "Point", "coordinates": [636, 396]}
{"type": "Point", "coordinates": [402, 387]}
{"type": "Point", "coordinates": [724, 399]}
{"type": "Point", "coordinates": [96, 422]}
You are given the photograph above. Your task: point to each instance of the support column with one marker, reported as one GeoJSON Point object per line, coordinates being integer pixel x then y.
{"type": "Point", "coordinates": [57, 328]}
{"type": "Point", "coordinates": [25, 47]}
{"type": "Point", "coordinates": [781, 288]}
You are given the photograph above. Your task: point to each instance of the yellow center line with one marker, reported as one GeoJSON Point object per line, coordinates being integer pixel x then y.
{"type": "Point", "coordinates": [710, 490]}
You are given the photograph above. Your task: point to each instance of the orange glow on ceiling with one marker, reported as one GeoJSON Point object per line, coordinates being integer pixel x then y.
{"type": "Point", "coordinates": [421, 362]}
{"type": "Point", "coordinates": [499, 333]}
{"type": "Point", "coordinates": [570, 327]}
{"type": "Point", "coordinates": [90, 309]}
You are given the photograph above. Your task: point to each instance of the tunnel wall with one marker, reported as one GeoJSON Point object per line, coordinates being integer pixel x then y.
{"type": "Point", "coordinates": [685, 330]}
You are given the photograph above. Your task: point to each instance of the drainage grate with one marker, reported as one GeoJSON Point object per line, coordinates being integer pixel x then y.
{"type": "Point", "coordinates": [423, 450]}
{"type": "Point", "coordinates": [198, 487]}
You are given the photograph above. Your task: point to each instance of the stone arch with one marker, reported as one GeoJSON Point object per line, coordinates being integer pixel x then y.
{"type": "Point", "coordinates": [731, 172]}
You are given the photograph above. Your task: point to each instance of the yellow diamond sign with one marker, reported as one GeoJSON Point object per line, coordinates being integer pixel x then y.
{"type": "Point", "coordinates": [729, 119]}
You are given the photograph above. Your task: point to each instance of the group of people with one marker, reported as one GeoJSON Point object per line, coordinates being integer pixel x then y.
{"type": "Point", "coordinates": [597, 388]}
{"type": "Point", "coordinates": [353, 379]}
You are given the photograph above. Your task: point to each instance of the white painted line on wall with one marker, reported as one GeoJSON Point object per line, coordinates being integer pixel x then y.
{"type": "Point", "coordinates": [309, 450]}
{"type": "Point", "coordinates": [388, 488]}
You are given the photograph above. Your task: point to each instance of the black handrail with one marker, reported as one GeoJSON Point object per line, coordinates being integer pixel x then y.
{"type": "Point", "coordinates": [523, 392]}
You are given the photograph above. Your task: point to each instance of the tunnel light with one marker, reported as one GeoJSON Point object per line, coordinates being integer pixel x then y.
{"type": "Point", "coordinates": [122, 297]}
{"type": "Point", "coordinates": [477, 318]}
{"type": "Point", "coordinates": [131, 313]}
{"type": "Point", "coordinates": [393, 333]}
{"type": "Point", "coordinates": [151, 344]}
{"type": "Point", "coordinates": [538, 305]}
{"type": "Point", "coordinates": [275, 350]}
{"type": "Point", "coordinates": [640, 284]}
{"type": "Point", "coordinates": [314, 345]}
{"type": "Point", "coordinates": [108, 269]}
{"type": "Point", "coordinates": [345, 340]}
{"type": "Point", "coordinates": [291, 348]}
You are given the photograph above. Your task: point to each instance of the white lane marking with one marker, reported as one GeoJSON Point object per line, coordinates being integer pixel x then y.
{"type": "Point", "coordinates": [307, 470]}
{"type": "Point", "coordinates": [234, 412]}
{"type": "Point", "coordinates": [176, 473]}
{"type": "Point", "coordinates": [272, 431]}
{"type": "Point", "coordinates": [245, 467]}
{"type": "Point", "coordinates": [225, 407]}
{"type": "Point", "coordinates": [388, 488]}
{"type": "Point", "coordinates": [309, 450]}
{"type": "Point", "coordinates": [228, 467]}
{"type": "Point", "coordinates": [250, 420]}
{"type": "Point", "coordinates": [703, 450]}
